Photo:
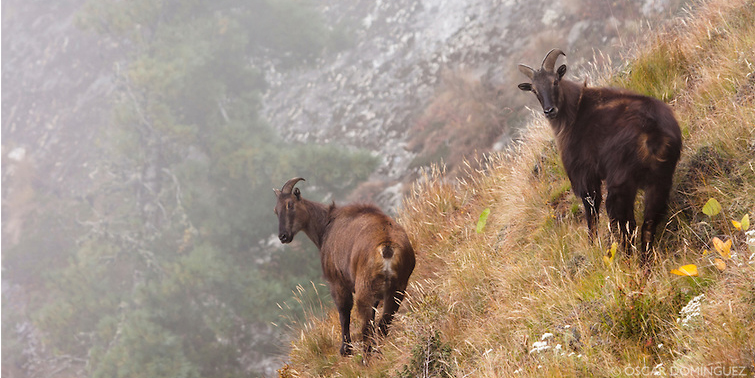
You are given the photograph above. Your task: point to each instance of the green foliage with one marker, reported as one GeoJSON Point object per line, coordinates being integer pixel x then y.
{"type": "Point", "coordinates": [642, 315]}
{"type": "Point", "coordinates": [430, 358]}
{"type": "Point", "coordinates": [288, 31]}
{"type": "Point", "coordinates": [483, 220]}
{"type": "Point", "coordinates": [142, 349]}
{"type": "Point", "coordinates": [293, 29]}
{"type": "Point", "coordinates": [86, 291]}
{"type": "Point", "coordinates": [159, 269]}
{"type": "Point", "coordinates": [12, 347]}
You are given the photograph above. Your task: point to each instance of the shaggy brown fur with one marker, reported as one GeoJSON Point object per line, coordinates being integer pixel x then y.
{"type": "Point", "coordinates": [628, 140]}
{"type": "Point", "coordinates": [366, 257]}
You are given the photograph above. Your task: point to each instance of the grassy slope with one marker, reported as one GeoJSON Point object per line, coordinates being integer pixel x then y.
{"type": "Point", "coordinates": [478, 302]}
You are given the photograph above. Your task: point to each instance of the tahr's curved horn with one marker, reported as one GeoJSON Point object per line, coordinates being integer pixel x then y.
{"type": "Point", "coordinates": [526, 70]}
{"type": "Point", "coordinates": [289, 185]}
{"type": "Point", "coordinates": [550, 59]}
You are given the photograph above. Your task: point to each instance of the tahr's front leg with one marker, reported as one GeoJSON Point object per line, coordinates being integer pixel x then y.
{"type": "Point", "coordinates": [591, 200]}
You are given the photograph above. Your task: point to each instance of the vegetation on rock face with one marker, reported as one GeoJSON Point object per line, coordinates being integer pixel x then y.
{"type": "Point", "coordinates": [464, 117]}
{"type": "Point", "coordinates": [529, 295]}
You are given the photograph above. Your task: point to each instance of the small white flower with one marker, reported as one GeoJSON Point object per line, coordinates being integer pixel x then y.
{"type": "Point", "coordinates": [691, 310]}
{"type": "Point", "coordinates": [539, 346]}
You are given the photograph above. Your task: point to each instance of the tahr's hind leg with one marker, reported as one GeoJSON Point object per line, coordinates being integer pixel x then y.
{"type": "Point", "coordinates": [391, 303]}
{"type": "Point", "coordinates": [344, 301]}
{"type": "Point", "coordinates": [656, 199]}
{"type": "Point", "coordinates": [365, 304]}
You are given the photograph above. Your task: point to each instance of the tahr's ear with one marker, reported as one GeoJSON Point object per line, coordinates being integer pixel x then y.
{"type": "Point", "coordinates": [561, 71]}
{"type": "Point", "coordinates": [277, 192]}
{"type": "Point", "coordinates": [527, 87]}
{"type": "Point", "coordinates": [297, 193]}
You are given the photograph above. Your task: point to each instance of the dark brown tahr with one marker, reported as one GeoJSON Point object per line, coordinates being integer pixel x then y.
{"type": "Point", "coordinates": [366, 257]}
{"type": "Point", "coordinates": [628, 140]}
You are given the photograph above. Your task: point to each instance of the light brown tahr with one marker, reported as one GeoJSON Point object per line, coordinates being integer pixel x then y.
{"type": "Point", "coordinates": [366, 257]}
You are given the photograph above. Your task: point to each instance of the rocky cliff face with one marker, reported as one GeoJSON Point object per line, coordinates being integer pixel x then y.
{"type": "Point", "coordinates": [368, 96]}
{"type": "Point", "coordinates": [56, 79]}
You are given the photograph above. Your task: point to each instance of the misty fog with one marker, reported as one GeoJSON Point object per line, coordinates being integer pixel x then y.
{"type": "Point", "coordinates": [141, 140]}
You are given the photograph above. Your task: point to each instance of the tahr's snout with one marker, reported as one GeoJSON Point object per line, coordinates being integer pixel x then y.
{"type": "Point", "coordinates": [285, 237]}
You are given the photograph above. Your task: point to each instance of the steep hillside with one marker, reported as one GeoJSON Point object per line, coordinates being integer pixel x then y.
{"type": "Point", "coordinates": [528, 295]}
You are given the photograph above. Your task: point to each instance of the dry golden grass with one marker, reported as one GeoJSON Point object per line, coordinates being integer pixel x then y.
{"type": "Point", "coordinates": [482, 304]}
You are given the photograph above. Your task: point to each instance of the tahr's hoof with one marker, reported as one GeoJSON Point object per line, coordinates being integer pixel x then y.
{"type": "Point", "coordinates": [346, 349]}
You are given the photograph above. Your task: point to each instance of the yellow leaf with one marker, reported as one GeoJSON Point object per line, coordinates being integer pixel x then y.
{"type": "Point", "coordinates": [610, 254]}
{"type": "Point", "coordinates": [745, 222]}
{"type": "Point", "coordinates": [712, 207]}
{"type": "Point", "coordinates": [686, 270]}
{"type": "Point", "coordinates": [705, 252]}
{"type": "Point", "coordinates": [724, 249]}
{"type": "Point", "coordinates": [727, 250]}
{"type": "Point", "coordinates": [718, 244]}
{"type": "Point", "coordinates": [737, 225]}
{"type": "Point", "coordinates": [720, 264]}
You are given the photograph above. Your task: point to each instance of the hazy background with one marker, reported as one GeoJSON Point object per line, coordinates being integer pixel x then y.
{"type": "Point", "coordinates": [141, 140]}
